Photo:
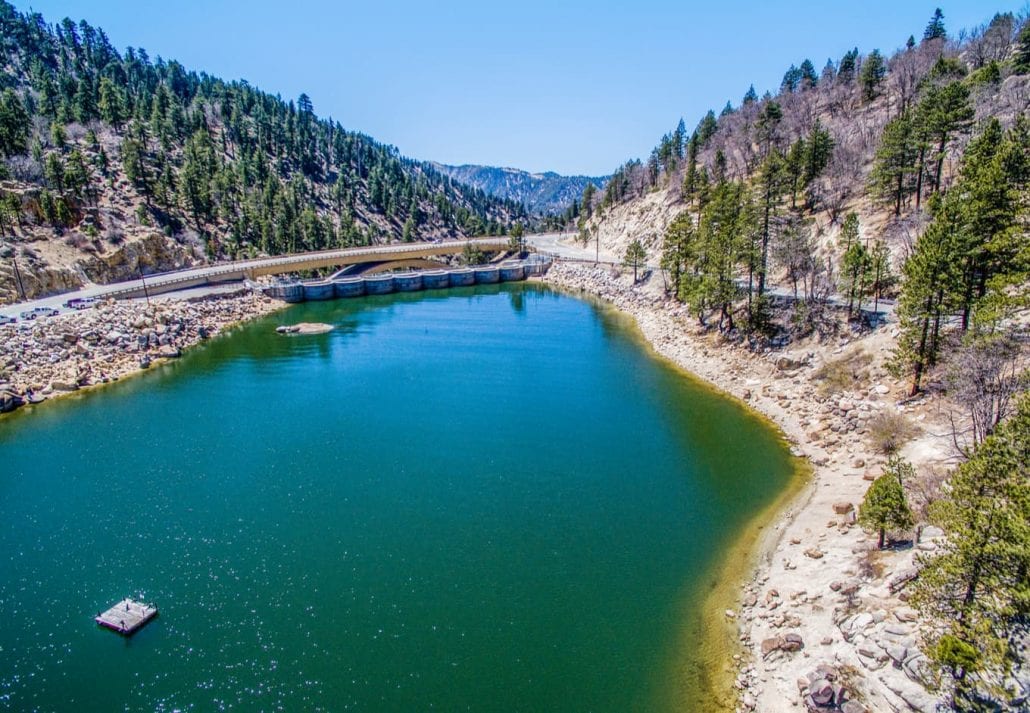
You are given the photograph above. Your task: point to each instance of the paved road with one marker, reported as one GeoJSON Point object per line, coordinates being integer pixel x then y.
{"type": "Point", "coordinates": [562, 245]}
{"type": "Point", "coordinates": [234, 269]}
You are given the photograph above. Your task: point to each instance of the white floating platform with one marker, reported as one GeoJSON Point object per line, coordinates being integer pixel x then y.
{"type": "Point", "coordinates": [127, 617]}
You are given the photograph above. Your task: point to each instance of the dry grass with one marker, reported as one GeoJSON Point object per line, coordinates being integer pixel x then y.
{"type": "Point", "coordinates": [843, 374]}
{"type": "Point", "coordinates": [889, 431]}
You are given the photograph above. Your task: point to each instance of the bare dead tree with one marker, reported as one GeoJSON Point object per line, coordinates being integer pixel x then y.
{"type": "Point", "coordinates": [795, 251]}
{"type": "Point", "coordinates": [983, 377]}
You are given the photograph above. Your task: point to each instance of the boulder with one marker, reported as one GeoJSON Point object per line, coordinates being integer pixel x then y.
{"type": "Point", "coordinates": [901, 579]}
{"type": "Point", "coordinates": [905, 614]}
{"type": "Point", "coordinates": [9, 400]}
{"type": "Point", "coordinates": [842, 508]}
{"type": "Point", "coordinates": [792, 642]}
{"type": "Point", "coordinates": [770, 645]}
{"type": "Point", "coordinates": [821, 692]}
{"type": "Point", "coordinates": [785, 363]}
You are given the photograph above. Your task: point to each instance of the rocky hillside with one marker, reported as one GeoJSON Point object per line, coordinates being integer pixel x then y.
{"type": "Point", "coordinates": [540, 192]}
{"type": "Point", "coordinates": [113, 162]}
{"type": "Point", "coordinates": [824, 132]}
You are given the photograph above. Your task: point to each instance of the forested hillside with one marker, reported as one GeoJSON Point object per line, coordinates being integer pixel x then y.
{"type": "Point", "coordinates": [540, 192]}
{"type": "Point", "coordinates": [838, 183]}
{"type": "Point", "coordinates": [114, 161]}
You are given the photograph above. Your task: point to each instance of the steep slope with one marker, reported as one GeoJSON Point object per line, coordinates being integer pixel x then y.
{"type": "Point", "coordinates": [540, 192]}
{"type": "Point", "coordinates": [849, 105]}
{"type": "Point", "coordinates": [114, 163]}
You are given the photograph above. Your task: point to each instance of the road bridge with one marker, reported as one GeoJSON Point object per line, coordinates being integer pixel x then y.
{"type": "Point", "coordinates": [404, 254]}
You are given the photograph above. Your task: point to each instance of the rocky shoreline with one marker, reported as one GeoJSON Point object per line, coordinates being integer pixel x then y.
{"type": "Point", "coordinates": [55, 356]}
{"type": "Point", "coordinates": [822, 620]}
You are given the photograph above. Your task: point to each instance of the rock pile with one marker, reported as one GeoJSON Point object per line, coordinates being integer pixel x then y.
{"type": "Point", "coordinates": [48, 357]}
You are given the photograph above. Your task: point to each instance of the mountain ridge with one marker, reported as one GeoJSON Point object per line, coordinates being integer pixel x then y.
{"type": "Point", "coordinates": [541, 192]}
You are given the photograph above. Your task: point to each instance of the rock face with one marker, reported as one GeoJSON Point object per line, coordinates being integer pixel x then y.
{"type": "Point", "coordinates": [47, 357]}
{"type": "Point", "coordinates": [154, 252]}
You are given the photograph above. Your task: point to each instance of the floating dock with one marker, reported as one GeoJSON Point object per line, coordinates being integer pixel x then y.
{"type": "Point", "coordinates": [127, 617]}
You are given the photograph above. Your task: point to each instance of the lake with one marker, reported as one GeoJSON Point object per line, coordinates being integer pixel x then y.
{"type": "Point", "coordinates": [487, 499]}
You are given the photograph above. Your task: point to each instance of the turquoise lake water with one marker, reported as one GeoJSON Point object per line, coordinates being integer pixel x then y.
{"type": "Point", "coordinates": [490, 499]}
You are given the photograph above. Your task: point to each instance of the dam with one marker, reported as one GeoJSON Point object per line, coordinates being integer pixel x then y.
{"type": "Point", "coordinates": [339, 287]}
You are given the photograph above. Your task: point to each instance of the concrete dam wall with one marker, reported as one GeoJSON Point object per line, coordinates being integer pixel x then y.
{"type": "Point", "coordinates": [385, 283]}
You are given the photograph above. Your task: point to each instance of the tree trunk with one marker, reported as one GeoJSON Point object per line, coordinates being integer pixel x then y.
{"type": "Point", "coordinates": [940, 164]}
{"type": "Point", "coordinates": [897, 195]}
{"type": "Point", "coordinates": [917, 377]}
{"type": "Point", "coordinates": [882, 535]}
{"type": "Point", "coordinates": [920, 170]}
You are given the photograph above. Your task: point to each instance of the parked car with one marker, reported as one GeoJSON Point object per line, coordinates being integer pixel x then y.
{"type": "Point", "coordinates": [39, 312]}
{"type": "Point", "coordinates": [4, 319]}
{"type": "Point", "coordinates": [81, 302]}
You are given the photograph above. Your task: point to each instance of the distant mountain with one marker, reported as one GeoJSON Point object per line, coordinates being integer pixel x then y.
{"type": "Point", "coordinates": [539, 192]}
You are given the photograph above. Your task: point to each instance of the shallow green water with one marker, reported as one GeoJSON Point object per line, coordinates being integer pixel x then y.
{"type": "Point", "coordinates": [490, 499]}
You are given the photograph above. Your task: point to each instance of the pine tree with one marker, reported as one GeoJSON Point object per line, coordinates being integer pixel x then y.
{"type": "Point", "coordinates": [880, 272]}
{"type": "Point", "coordinates": [14, 124]}
{"type": "Point", "coordinates": [110, 105]}
{"type": "Point", "coordinates": [750, 97]}
{"type": "Point", "coordinates": [196, 175]}
{"type": "Point", "coordinates": [935, 28]}
{"type": "Point", "coordinates": [894, 164]}
{"type": "Point", "coordinates": [635, 257]}
{"type": "Point", "coordinates": [677, 249]}
{"type": "Point", "coordinates": [791, 80]}
{"type": "Point", "coordinates": [706, 128]}
{"type": "Point", "coordinates": [809, 79]}
{"type": "Point", "coordinates": [943, 114]}
{"type": "Point", "coordinates": [770, 186]}
{"type": "Point", "coordinates": [818, 152]}
{"type": "Point", "coordinates": [976, 593]}
{"type": "Point", "coordinates": [848, 66]}
{"type": "Point", "coordinates": [1021, 59]}
{"type": "Point", "coordinates": [927, 296]}
{"type": "Point", "coordinates": [588, 200]}
{"type": "Point", "coordinates": [874, 69]}
{"type": "Point", "coordinates": [885, 506]}
{"type": "Point", "coordinates": [711, 284]}
{"type": "Point", "coordinates": [991, 195]}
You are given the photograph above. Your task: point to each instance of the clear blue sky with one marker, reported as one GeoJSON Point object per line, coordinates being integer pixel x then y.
{"type": "Point", "coordinates": [570, 86]}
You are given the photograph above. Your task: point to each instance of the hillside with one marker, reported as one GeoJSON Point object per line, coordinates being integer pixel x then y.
{"type": "Point", "coordinates": [114, 162]}
{"type": "Point", "coordinates": [540, 192]}
{"type": "Point", "coordinates": [846, 108]}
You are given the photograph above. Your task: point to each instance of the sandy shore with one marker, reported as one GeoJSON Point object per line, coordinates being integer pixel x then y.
{"type": "Point", "coordinates": [55, 356]}
{"type": "Point", "coordinates": [817, 623]}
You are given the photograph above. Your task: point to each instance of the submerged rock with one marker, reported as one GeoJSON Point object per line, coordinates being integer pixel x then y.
{"type": "Point", "coordinates": [304, 328]}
